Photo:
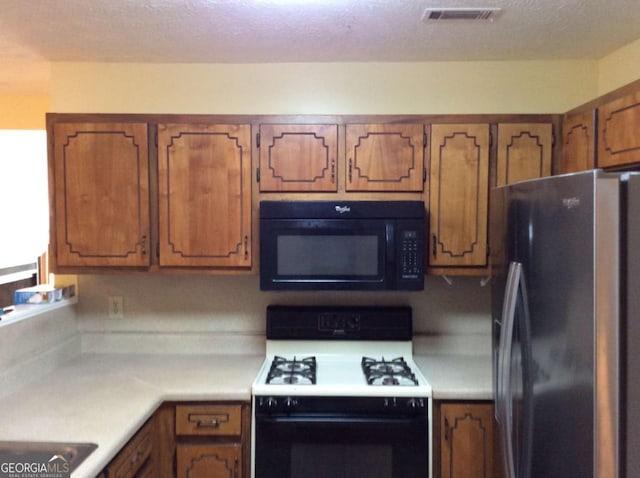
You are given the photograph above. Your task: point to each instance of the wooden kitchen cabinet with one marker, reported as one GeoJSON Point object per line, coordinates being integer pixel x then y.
{"type": "Point", "coordinates": [118, 201]}
{"type": "Point", "coordinates": [135, 459]}
{"type": "Point", "coordinates": [385, 157]}
{"type": "Point", "coordinates": [524, 151]}
{"type": "Point", "coordinates": [465, 440]}
{"type": "Point", "coordinates": [209, 461]}
{"type": "Point", "coordinates": [204, 177]}
{"type": "Point", "coordinates": [578, 142]}
{"type": "Point", "coordinates": [459, 189]}
{"type": "Point", "coordinates": [99, 173]}
{"type": "Point", "coordinates": [212, 440]}
{"type": "Point", "coordinates": [298, 157]}
{"type": "Point", "coordinates": [619, 132]}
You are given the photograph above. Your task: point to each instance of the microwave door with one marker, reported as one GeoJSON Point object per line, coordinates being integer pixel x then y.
{"type": "Point", "coordinates": [325, 254]}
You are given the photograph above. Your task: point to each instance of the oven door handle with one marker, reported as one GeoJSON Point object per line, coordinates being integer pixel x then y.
{"type": "Point", "coordinates": [341, 420]}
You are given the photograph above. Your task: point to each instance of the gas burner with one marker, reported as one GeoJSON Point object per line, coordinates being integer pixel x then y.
{"type": "Point", "coordinates": [292, 371]}
{"type": "Point", "coordinates": [388, 372]}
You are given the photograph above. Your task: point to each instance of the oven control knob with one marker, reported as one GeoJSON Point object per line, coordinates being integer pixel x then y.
{"type": "Point", "coordinates": [390, 403]}
{"type": "Point", "coordinates": [415, 403]}
{"type": "Point", "coordinates": [290, 404]}
{"type": "Point", "coordinates": [270, 404]}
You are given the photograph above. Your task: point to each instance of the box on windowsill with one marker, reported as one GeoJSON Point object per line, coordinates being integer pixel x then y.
{"type": "Point", "coordinates": [43, 294]}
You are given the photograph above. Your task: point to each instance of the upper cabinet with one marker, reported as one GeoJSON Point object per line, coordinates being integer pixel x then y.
{"type": "Point", "coordinates": [619, 131]}
{"type": "Point", "coordinates": [100, 195]}
{"type": "Point", "coordinates": [524, 151]}
{"type": "Point", "coordinates": [298, 157]}
{"type": "Point", "coordinates": [180, 192]}
{"type": "Point", "coordinates": [578, 142]}
{"type": "Point", "coordinates": [385, 157]}
{"type": "Point", "coordinates": [204, 178]}
{"type": "Point", "coordinates": [458, 200]}
{"type": "Point", "coordinates": [117, 201]}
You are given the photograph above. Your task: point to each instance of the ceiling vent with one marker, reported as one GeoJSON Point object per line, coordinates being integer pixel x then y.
{"type": "Point", "coordinates": [460, 14]}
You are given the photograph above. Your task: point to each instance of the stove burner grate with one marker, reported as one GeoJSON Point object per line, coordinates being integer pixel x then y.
{"type": "Point", "coordinates": [388, 372]}
{"type": "Point", "coordinates": [292, 371]}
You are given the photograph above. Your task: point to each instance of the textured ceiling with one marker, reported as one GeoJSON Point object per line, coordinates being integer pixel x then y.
{"type": "Point", "coordinates": [34, 32]}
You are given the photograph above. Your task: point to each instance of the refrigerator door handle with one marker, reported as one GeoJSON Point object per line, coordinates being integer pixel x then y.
{"type": "Point", "coordinates": [503, 406]}
{"type": "Point", "coordinates": [524, 467]}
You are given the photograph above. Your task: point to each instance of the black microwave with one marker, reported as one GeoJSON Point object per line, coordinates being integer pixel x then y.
{"type": "Point", "coordinates": [348, 245]}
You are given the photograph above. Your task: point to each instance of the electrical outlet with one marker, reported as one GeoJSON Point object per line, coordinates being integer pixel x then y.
{"type": "Point", "coordinates": [116, 307]}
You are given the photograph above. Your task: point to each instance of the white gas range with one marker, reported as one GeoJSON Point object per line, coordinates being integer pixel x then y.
{"type": "Point", "coordinates": [338, 386]}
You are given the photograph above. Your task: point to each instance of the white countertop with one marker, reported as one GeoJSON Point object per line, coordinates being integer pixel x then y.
{"type": "Point", "coordinates": [105, 398]}
{"type": "Point", "coordinates": [458, 377]}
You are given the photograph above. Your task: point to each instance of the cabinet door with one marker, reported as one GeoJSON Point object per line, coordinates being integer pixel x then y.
{"type": "Point", "coordinates": [134, 459]}
{"type": "Point", "coordinates": [101, 194]}
{"type": "Point", "coordinates": [209, 461]}
{"type": "Point", "coordinates": [205, 195]}
{"type": "Point", "coordinates": [459, 188]}
{"type": "Point", "coordinates": [385, 157]}
{"type": "Point", "coordinates": [466, 440]}
{"type": "Point", "coordinates": [578, 143]}
{"type": "Point", "coordinates": [298, 157]}
{"type": "Point", "coordinates": [619, 132]}
{"type": "Point", "coordinates": [524, 151]}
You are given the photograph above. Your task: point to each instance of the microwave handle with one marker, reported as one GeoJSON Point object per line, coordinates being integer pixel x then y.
{"type": "Point", "coordinates": [390, 253]}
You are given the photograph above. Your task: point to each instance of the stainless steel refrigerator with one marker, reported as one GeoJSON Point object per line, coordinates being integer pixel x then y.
{"type": "Point", "coordinates": [565, 257]}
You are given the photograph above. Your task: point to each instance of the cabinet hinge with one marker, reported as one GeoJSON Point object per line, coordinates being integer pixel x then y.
{"type": "Point", "coordinates": [257, 140]}
{"type": "Point", "coordinates": [425, 140]}
{"type": "Point", "coordinates": [490, 140]}
{"type": "Point", "coordinates": [155, 139]}
{"type": "Point", "coordinates": [424, 175]}
{"type": "Point", "coordinates": [257, 175]}
{"type": "Point", "coordinates": [553, 138]}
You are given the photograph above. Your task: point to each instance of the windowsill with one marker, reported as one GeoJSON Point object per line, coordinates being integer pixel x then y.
{"type": "Point", "coordinates": [25, 311]}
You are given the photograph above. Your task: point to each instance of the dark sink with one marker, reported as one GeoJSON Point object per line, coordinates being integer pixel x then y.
{"type": "Point", "coordinates": [75, 453]}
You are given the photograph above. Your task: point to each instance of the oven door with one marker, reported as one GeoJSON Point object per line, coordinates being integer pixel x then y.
{"type": "Point", "coordinates": [326, 254]}
{"type": "Point", "coordinates": [341, 444]}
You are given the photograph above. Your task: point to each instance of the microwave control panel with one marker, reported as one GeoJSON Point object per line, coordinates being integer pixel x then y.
{"type": "Point", "coordinates": [410, 255]}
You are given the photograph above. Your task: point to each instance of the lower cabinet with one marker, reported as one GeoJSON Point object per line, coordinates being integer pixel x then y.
{"type": "Point", "coordinates": [465, 440]}
{"type": "Point", "coordinates": [212, 440]}
{"type": "Point", "coordinates": [204, 439]}
{"type": "Point", "coordinates": [135, 459]}
{"type": "Point", "coordinates": [210, 461]}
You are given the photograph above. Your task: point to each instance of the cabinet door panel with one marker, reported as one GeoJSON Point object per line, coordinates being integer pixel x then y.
{"type": "Point", "coordinates": [209, 461]}
{"type": "Point", "coordinates": [467, 441]}
{"type": "Point", "coordinates": [459, 188]}
{"type": "Point", "coordinates": [524, 152]}
{"type": "Point", "coordinates": [578, 143]}
{"type": "Point", "coordinates": [298, 157]}
{"type": "Point", "coordinates": [619, 132]}
{"type": "Point", "coordinates": [205, 195]}
{"type": "Point", "coordinates": [385, 157]}
{"type": "Point", "coordinates": [101, 194]}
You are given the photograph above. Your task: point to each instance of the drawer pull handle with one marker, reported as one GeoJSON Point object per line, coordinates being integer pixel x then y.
{"type": "Point", "coordinates": [208, 423]}
{"type": "Point", "coordinates": [137, 457]}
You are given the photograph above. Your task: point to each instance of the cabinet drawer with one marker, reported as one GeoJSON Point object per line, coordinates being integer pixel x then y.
{"type": "Point", "coordinates": [133, 456]}
{"type": "Point", "coordinates": [209, 420]}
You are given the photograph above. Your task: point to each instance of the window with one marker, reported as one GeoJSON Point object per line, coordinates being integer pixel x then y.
{"type": "Point", "coordinates": [24, 211]}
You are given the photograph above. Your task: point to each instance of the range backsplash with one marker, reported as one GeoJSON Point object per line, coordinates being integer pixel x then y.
{"type": "Point", "coordinates": [225, 314]}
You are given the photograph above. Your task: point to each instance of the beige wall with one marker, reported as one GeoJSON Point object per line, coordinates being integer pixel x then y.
{"type": "Point", "coordinates": [23, 112]}
{"type": "Point", "coordinates": [619, 68]}
{"type": "Point", "coordinates": [338, 88]}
